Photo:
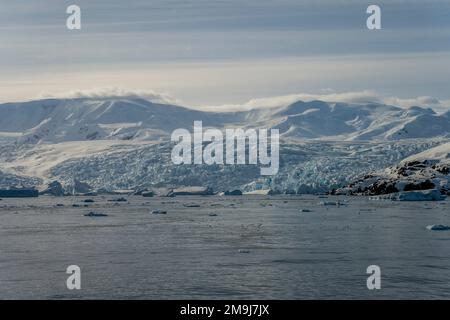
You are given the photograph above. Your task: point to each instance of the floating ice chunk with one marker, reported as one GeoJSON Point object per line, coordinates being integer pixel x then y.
{"type": "Point", "coordinates": [159, 212]}
{"type": "Point", "coordinates": [331, 203]}
{"type": "Point", "coordinates": [262, 192]}
{"type": "Point", "coordinates": [421, 195]}
{"type": "Point", "coordinates": [438, 227]}
{"type": "Point", "coordinates": [193, 191]}
{"type": "Point", "coordinates": [95, 214]}
{"type": "Point", "coordinates": [121, 199]}
{"type": "Point", "coordinates": [191, 205]}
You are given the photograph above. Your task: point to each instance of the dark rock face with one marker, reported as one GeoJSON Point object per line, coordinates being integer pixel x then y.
{"type": "Point", "coordinates": [233, 193]}
{"type": "Point", "coordinates": [19, 193]}
{"type": "Point", "coordinates": [140, 191]}
{"type": "Point", "coordinates": [54, 189]}
{"type": "Point", "coordinates": [81, 187]}
{"type": "Point", "coordinates": [382, 187]}
{"type": "Point", "coordinates": [424, 185]}
{"type": "Point", "coordinates": [407, 176]}
{"type": "Point", "coordinates": [148, 194]}
{"type": "Point", "coordinates": [443, 169]}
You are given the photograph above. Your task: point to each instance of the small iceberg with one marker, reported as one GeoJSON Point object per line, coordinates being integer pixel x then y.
{"type": "Point", "coordinates": [193, 191]}
{"type": "Point", "coordinates": [191, 205]}
{"type": "Point", "coordinates": [121, 199]}
{"type": "Point", "coordinates": [262, 192]}
{"type": "Point", "coordinates": [438, 227]}
{"type": "Point", "coordinates": [95, 214]}
{"type": "Point", "coordinates": [332, 203]}
{"type": "Point", "coordinates": [159, 212]}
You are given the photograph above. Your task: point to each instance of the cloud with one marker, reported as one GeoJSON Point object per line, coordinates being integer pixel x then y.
{"type": "Point", "coordinates": [419, 101]}
{"type": "Point", "coordinates": [112, 93]}
{"type": "Point", "coordinates": [278, 101]}
{"type": "Point", "coordinates": [328, 95]}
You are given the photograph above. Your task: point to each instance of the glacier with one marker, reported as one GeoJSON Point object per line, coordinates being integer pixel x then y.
{"type": "Point", "coordinates": [123, 143]}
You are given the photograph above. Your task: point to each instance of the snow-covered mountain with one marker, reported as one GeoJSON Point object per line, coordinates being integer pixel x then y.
{"type": "Point", "coordinates": [138, 119]}
{"type": "Point", "coordinates": [426, 170]}
{"type": "Point", "coordinates": [98, 119]}
{"type": "Point", "coordinates": [343, 121]}
{"type": "Point", "coordinates": [122, 143]}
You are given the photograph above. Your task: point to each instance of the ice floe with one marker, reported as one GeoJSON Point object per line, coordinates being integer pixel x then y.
{"type": "Point", "coordinates": [438, 227]}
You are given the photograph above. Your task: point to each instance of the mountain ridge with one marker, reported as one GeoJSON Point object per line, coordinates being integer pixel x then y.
{"type": "Point", "coordinates": [59, 120]}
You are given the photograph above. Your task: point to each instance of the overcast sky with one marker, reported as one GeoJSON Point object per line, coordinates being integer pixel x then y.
{"type": "Point", "coordinates": [208, 52]}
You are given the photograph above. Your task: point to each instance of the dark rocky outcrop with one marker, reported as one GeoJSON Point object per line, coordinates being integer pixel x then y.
{"type": "Point", "coordinates": [54, 189]}
{"type": "Point", "coordinates": [233, 193]}
{"type": "Point", "coordinates": [121, 199]}
{"type": "Point", "coordinates": [424, 185]}
{"type": "Point", "coordinates": [19, 193]}
{"type": "Point", "coordinates": [406, 177]}
{"type": "Point", "coordinates": [95, 214]}
{"type": "Point", "coordinates": [81, 187]}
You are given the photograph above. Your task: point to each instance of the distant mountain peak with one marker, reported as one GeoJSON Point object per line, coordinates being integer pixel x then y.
{"type": "Point", "coordinates": [88, 118]}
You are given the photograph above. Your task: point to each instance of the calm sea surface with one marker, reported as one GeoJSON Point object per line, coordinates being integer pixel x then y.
{"type": "Point", "coordinates": [254, 248]}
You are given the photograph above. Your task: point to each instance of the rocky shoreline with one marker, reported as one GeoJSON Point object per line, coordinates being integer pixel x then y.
{"type": "Point", "coordinates": [408, 176]}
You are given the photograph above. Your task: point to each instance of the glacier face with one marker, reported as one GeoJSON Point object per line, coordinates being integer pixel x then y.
{"type": "Point", "coordinates": [124, 143]}
{"type": "Point", "coordinates": [304, 168]}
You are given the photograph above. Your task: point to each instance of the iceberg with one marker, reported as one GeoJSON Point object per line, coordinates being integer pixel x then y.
{"type": "Point", "coordinates": [438, 227]}
{"type": "Point", "coordinates": [95, 214]}
{"type": "Point", "coordinates": [422, 195]}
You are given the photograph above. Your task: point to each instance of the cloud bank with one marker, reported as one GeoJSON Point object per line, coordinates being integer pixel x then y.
{"type": "Point", "coordinates": [112, 93]}
{"type": "Point", "coordinates": [328, 95]}
{"type": "Point", "coordinates": [365, 96]}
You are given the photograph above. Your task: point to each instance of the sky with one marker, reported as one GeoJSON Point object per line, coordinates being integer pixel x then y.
{"type": "Point", "coordinates": [228, 53]}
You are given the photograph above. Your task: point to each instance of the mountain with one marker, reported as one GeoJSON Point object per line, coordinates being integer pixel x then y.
{"type": "Point", "coordinates": [360, 122]}
{"type": "Point", "coordinates": [123, 143]}
{"type": "Point", "coordinates": [86, 119]}
{"type": "Point", "coordinates": [99, 119]}
{"type": "Point", "coordinates": [426, 170]}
